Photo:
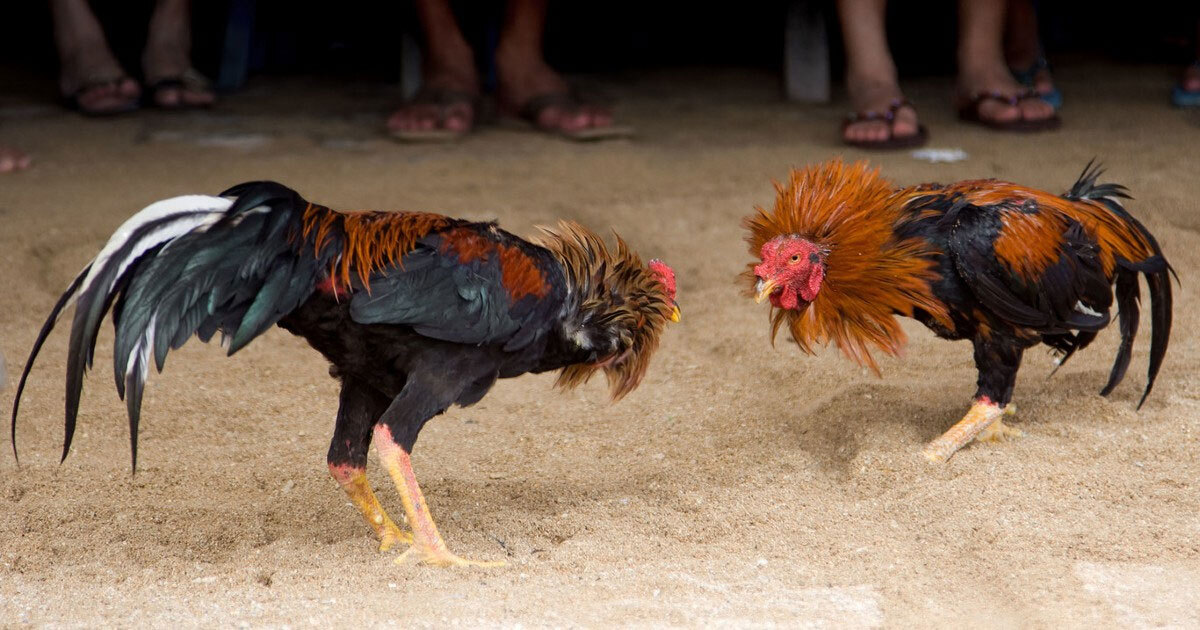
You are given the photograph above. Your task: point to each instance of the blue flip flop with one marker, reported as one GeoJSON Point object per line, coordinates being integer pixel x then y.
{"type": "Point", "coordinates": [1186, 98]}
{"type": "Point", "coordinates": [1026, 77]}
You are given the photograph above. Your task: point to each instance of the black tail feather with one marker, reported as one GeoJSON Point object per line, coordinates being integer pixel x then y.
{"type": "Point", "coordinates": [93, 303]}
{"type": "Point", "coordinates": [43, 334]}
{"type": "Point", "coordinates": [1128, 315]}
{"type": "Point", "coordinates": [187, 266]}
{"type": "Point", "coordinates": [1160, 318]}
{"type": "Point", "coordinates": [1086, 187]}
{"type": "Point", "coordinates": [134, 386]}
{"type": "Point", "coordinates": [1158, 273]}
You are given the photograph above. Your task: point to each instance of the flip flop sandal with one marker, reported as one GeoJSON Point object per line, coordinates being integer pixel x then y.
{"type": "Point", "coordinates": [1028, 76]}
{"type": "Point", "coordinates": [1186, 98]}
{"type": "Point", "coordinates": [893, 141]}
{"type": "Point", "coordinates": [71, 101]}
{"type": "Point", "coordinates": [443, 100]}
{"type": "Point", "coordinates": [189, 81]}
{"type": "Point", "coordinates": [532, 110]}
{"type": "Point", "coordinates": [969, 112]}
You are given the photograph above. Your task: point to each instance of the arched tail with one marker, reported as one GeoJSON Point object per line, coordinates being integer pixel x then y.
{"type": "Point", "coordinates": [1128, 290]}
{"type": "Point", "coordinates": [191, 265]}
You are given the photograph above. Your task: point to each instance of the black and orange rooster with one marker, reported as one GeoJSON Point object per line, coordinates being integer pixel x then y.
{"type": "Point", "coordinates": [414, 311]}
{"type": "Point", "coordinates": [843, 251]}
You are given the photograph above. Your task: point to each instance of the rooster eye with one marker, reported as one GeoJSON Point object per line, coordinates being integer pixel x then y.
{"type": "Point", "coordinates": [794, 259]}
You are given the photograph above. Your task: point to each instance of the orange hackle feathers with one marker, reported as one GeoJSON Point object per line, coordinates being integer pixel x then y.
{"type": "Point", "coordinates": [373, 240]}
{"type": "Point", "coordinates": [871, 274]}
{"type": "Point", "coordinates": [616, 289]}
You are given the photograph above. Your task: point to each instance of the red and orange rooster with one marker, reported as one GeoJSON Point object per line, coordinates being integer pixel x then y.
{"type": "Point", "coordinates": [843, 252]}
{"type": "Point", "coordinates": [414, 311]}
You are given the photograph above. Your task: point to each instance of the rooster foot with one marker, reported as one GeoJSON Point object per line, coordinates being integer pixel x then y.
{"type": "Point", "coordinates": [998, 432]}
{"type": "Point", "coordinates": [392, 535]}
{"type": "Point", "coordinates": [443, 558]}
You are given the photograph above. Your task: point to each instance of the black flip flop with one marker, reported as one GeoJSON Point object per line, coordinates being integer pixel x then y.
{"type": "Point", "coordinates": [969, 112]}
{"type": "Point", "coordinates": [71, 101]}
{"type": "Point", "coordinates": [893, 141]}
{"type": "Point", "coordinates": [532, 110]}
{"type": "Point", "coordinates": [189, 81]}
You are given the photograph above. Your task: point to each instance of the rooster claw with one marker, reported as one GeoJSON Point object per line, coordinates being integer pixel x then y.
{"type": "Point", "coordinates": [443, 558]}
{"type": "Point", "coordinates": [393, 536]}
{"type": "Point", "coordinates": [998, 432]}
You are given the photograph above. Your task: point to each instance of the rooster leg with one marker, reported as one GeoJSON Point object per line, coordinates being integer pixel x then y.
{"type": "Point", "coordinates": [359, 405]}
{"type": "Point", "coordinates": [354, 482]}
{"type": "Point", "coordinates": [982, 414]}
{"type": "Point", "coordinates": [998, 431]}
{"type": "Point", "coordinates": [997, 357]}
{"type": "Point", "coordinates": [428, 544]}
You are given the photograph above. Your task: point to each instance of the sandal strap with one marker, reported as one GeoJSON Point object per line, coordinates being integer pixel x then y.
{"type": "Point", "coordinates": [189, 80]}
{"type": "Point", "coordinates": [444, 98]}
{"type": "Point", "coordinates": [97, 82]}
{"type": "Point", "coordinates": [1008, 99]}
{"type": "Point", "coordinates": [894, 106]}
{"type": "Point", "coordinates": [1025, 76]}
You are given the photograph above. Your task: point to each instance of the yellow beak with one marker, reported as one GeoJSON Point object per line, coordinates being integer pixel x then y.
{"type": "Point", "coordinates": [765, 288]}
{"type": "Point", "coordinates": [676, 315]}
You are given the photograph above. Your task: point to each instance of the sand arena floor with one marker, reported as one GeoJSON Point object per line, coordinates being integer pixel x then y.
{"type": "Point", "coordinates": [742, 485]}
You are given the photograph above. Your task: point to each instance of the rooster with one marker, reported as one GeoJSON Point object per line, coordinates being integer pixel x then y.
{"type": "Point", "coordinates": [843, 251]}
{"type": "Point", "coordinates": [414, 311]}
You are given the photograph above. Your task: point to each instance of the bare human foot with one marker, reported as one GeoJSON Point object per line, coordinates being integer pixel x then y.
{"type": "Point", "coordinates": [445, 106]}
{"type": "Point", "coordinates": [91, 80]}
{"type": "Point", "coordinates": [446, 101]}
{"type": "Point", "coordinates": [167, 62]}
{"type": "Point", "coordinates": [881, 115]}
{"type": "Point", "coordinates": [872, 100]}
{"type": "Point", "coordinates": [996, 97]}
{"type": "Point", "coordinates": [987, 91]}
{"type": "Point", "coordinates": [531, 89]}
{"type": "Point", "coordinates": [12, 160]}
{"type": "Point", "coordinates": [526, 81]}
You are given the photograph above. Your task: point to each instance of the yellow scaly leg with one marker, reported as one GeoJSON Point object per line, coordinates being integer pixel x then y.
{"type": "Point", "coordinates": [981, 415]}
{"type": "Point", "coordinates": [354, 481]}
{"type": "Point", "coordinates": [427, 542]}
{"type": "Point", "coordinates": [998, 431]}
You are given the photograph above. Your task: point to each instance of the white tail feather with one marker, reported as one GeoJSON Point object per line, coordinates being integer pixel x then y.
{"type": "Point", "coordinates": [194, 212]}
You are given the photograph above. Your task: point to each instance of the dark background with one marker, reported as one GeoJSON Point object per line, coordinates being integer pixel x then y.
{"type": "Point", "coordinates": [359, 38]}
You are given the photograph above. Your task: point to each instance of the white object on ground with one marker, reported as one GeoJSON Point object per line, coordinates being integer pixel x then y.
{"type": "Point", "coordinates": [940, 155]}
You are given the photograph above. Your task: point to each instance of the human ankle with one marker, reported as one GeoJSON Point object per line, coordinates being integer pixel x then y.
{"type": "Point", "coordinates": [518, 56]}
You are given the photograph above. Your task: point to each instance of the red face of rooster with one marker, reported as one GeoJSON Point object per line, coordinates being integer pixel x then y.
{"type": "Point", "coordinates": [666, 276]}
{"type": "Point", "coordinates": [791, 272]}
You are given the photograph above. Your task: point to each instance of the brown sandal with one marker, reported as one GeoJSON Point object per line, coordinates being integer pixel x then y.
{"type": "Point", "coordinates": [893, 141]}
{"type": "Point", "coordinates": [969, 112]}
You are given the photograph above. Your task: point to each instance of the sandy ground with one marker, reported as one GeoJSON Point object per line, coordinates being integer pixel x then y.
{"type": "Point", "coordinates": [742, 485]}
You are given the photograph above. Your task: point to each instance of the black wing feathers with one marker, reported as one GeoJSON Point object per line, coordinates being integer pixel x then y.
{"type": "Point", "coordinates": [444, 298]}
{"type": "Point", "coordinates": [1069, 301]}
{"type": "Point", "coordinates": [1071, 294]}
